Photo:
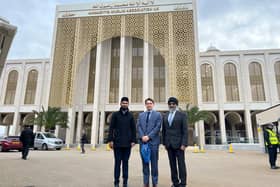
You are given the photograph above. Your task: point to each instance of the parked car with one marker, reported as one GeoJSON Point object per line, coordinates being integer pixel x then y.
{"type": "Point", "coordinates": [46, 140]}
{"type": "Point", "coordinates": [10, 143]}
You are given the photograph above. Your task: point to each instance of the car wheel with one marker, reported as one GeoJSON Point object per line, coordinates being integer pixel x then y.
{"type": "Point", "coordinates": [1, 150]}
{"type": "Point", "coordinates": [44, 147]}
{"type": "Point", "coordinates": [35, 148]}
{"type": "Point", "coordinates": [19, 150]}
{"type": "Point", "coordinates": [58, 149]}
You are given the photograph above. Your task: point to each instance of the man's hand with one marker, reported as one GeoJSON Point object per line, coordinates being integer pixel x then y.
{"type": "Point", "coordinates": [145, 139]}
{"type": "Point", "coordinates": [132, 144]}
{"type": "Point", "coordinates": [183, 147]}
{"type": "Point", "coordinates": [111, 145]}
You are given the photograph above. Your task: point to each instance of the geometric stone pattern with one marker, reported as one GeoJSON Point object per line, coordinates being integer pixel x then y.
{"type": "Point", "coordinates": [171, 33]}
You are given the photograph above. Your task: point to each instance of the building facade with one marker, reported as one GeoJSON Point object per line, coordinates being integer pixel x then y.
{"type": "Point", "coordinates": [23, 89]}
{"type": "Point", "coordinates": [234, 86]}
{"type": "Point", "coordinates": [7, 33]}
{"type": "Point", "coordinates": [139, 49]}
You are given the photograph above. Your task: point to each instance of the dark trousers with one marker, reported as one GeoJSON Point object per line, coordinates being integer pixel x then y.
{"type": "Point", "coordinates": [272, 153]}
{"type": "Point", "coordinates": [25, 150]}
{"type": "Point", "coordinates": [121, 158]}
{"type": "Point", "coordinates": [177, 156]}
{"type": "Point", "coordinates": [83, 147]}
{"type": "Point", "coordinates": [154, 166]}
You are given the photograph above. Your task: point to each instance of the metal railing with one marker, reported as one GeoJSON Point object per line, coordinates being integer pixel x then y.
{"type": "Point", "coordinates": [216, 140]}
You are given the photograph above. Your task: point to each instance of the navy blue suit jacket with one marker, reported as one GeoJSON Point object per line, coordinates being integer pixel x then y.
{"type": "Point", "coordinates": [150, 129]}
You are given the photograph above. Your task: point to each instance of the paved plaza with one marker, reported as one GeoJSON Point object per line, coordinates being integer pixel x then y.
{"type": "Point", "coordinates": [95, 169]}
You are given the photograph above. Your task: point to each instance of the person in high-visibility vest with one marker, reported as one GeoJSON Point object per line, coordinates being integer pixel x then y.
{"type": "Point", "coordinates": [272, 143]}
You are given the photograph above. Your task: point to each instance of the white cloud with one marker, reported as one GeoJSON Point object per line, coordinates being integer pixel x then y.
{"type": "Point", "coordinates": [239, 25]}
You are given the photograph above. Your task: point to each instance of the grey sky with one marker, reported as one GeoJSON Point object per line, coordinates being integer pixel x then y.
{"type": "Point", "coordinates": [227, 24]}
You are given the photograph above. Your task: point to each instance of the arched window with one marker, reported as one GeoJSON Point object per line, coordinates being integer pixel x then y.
{"type": "Point", "coordinates": [31, 87]}
{"type": "Point", "coordinates": [159, 77]}
{"type": "Point", "coordinates": [256, 82]}
{"type": "Point", "coordinates": [207, 83]}
{"type": "Point", "coordinates": [115, 71]}
{"type": "Point", "coordinates": [137, 71]}
{"type": "Point", "coordinates": [11, 87]}
{"type": "Point", "coordinates": [277, 76]}
{"type": "Point", "coordinates": [231, 82]}
{"type": "Point", "coordinates": [91, 77]}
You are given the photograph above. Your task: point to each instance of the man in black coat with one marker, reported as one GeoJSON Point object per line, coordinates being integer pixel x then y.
{"type": "Point", "coordinates": [175, 140]}
{"type": "Point", "coordinates": [122, 137]}
{"type": "Point", "coordinates": [26, 138]}
{"type": "Point", "coordinates": [83, 141]}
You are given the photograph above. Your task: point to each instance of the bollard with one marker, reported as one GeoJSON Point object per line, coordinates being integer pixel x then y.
{"type": "Point", "coordinates": [93, 148]}
{"type": "Point", "coordinates": [79, 147]}
{"type": "Point", "coordinates": [108, 148]}
{"type": "Point", "coordinates": [196, 149]}
{"type": "Point", "coordinates": [202, 149]}
{"type": "Point", "coordinates": [230, 149]}
{"type": "Point", "coordinates": [67, 147]}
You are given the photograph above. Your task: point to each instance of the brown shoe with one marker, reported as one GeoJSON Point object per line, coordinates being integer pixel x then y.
{"type": "Point", "coordinates": [155, 185]}
{"type": "Point", "coordinates": [146, 185]}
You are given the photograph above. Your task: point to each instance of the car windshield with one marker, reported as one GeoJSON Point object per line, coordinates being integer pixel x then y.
{"type": "Point", "coordinates": [49, 135]}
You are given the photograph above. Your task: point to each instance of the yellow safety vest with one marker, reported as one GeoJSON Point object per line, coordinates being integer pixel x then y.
{"type": "Point", "coordinates": [272, 137]}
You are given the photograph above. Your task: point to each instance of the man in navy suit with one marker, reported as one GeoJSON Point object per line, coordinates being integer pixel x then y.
{"type": "Point", "coordinates": [149, 124]}
{"type": "Point", "coordinates": [175, 140]}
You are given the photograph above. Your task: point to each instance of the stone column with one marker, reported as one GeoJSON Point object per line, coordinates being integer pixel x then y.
{"type": "Point", "coordinates": [71, 127]}
{"type": "Point", "coordinates": [147, 71]}
{"type": "Point", "coordinates": [268, 77]}
{"type": "Point", "coordinates": [35, 128]}
{"type": "Point", "coordinates": [220, 96]}
{"type": "Point", "coordinates": [101, 130]}
{"type": "Point", "coordinates": [201, 133]}
{"type": "Point", "coordinates": [248, 124]}
{"type": "Point", "coordinates": [7, 128]}
{"type": "Point", "coordinates": [56, 131]}
{"type": "Point", "coordinates": [222, 126]}
{"type": "Point", "coordinates": [43, 129]}
{"type": "Point", "coordinates": [95, 114]}
{"type": "Point", "coordinates": [261, 139]}
{"type": "Point", "coordinates": [127, 65]}
{"type": "Point", "coordinates": [80, 126]}
{"type": "Point", "coordinates": [122, 79]}
{"type": "Point", "coordinates": [14, 129]}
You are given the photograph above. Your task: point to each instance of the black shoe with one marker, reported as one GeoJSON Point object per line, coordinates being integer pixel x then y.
{"type": "Point", "coordinates": [117, 185]}
{"type": "Point", "coordinates": [274, 167]}
{"type": "Point", "coordinates": [124, 185]}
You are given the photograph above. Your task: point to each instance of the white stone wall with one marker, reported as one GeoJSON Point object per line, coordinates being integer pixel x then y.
{"type": "Point", "coordinates": [241, 59]}
{"type": "Point", "coordinates": [23, 67]}
{"type": "Point", "coordinates": [216, 59]}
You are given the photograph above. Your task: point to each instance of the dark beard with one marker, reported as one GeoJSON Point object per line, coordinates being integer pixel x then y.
{"type": "Point", "coordinates": [124, 110]}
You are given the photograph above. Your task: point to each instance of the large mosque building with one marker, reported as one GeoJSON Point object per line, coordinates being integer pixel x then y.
{"type": "Point", "coordinates": [139, 49]}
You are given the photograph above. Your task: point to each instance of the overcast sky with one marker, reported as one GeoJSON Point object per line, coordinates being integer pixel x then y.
{"type": "Point", "coordinates": [226, 24]}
